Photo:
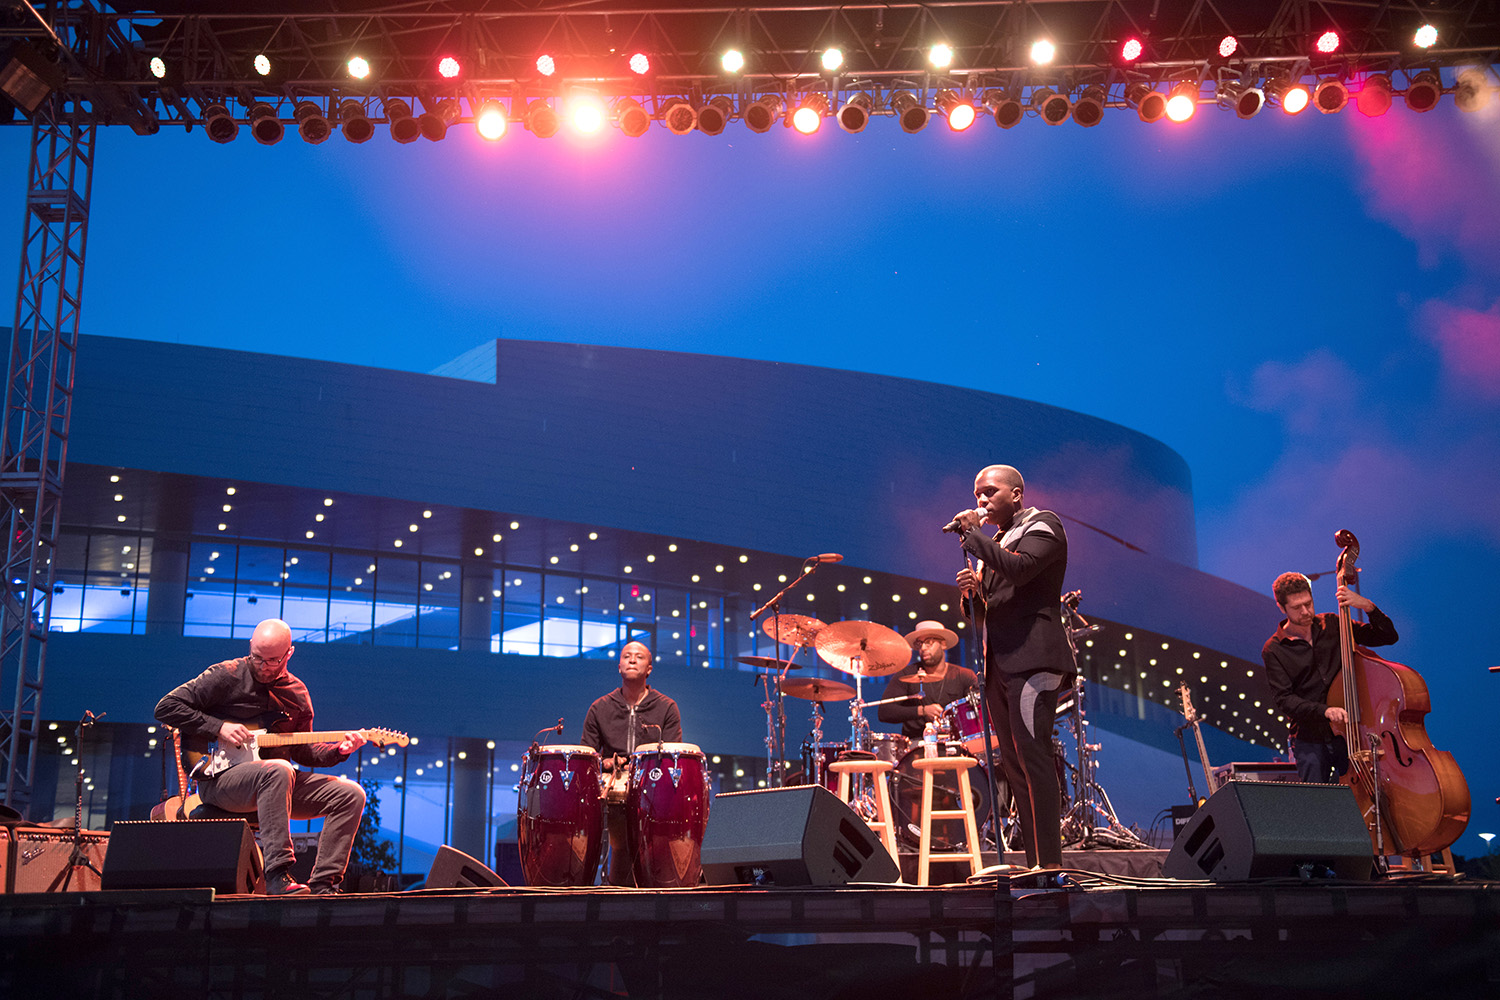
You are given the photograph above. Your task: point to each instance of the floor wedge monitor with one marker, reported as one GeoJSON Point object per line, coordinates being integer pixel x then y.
{"type": "Point", "coordinates": [791, 836]}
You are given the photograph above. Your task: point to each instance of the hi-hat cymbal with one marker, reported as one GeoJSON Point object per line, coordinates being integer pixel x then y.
{"type": "Point", "coordinates": [796, 630]}
{"type": "Point", "coordinates": [770, 663]}
{"type": "Point", "coordinates": [918, 677]}
{"type": "Point", "coordinates": [863, 648]}
{"type": "Point", "coordinates": [817, 689]}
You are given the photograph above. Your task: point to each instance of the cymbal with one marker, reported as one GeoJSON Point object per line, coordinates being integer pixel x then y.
{"type": "Point", "coordinates": [817, 689]}
{"type": "Point", "coordinates": [918, 677]}
{"type": "Point", "coordinates": [863, 648]}
{"type": "Point", "coordinates": [796, 630]}
{"type": "Point", "coordinates": [770, 663]}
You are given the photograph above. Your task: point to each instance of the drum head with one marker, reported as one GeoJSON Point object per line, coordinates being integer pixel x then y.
{"type": "Point", "coordinates": [677, 748]}
{"type": "Point", "coordinates": [947, 835]}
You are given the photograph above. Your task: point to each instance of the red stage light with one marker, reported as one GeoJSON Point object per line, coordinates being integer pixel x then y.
{"type": "Point", "coordinates": [1131, 50]}
{"type": "Point", "coordinates": [546, 65]}
{"type": "Point", "coordinates": [448, 67]}
{"type": "Point", "coordinates": [1228, 46]}
{"type": "Point", "coordinates": [640, 64]}
{"type": "Point", "coordinates": [1328, 42]}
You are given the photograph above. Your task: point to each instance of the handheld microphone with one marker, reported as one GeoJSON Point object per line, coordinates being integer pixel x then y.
{"type": "Point", "coordinates": [956, 527]}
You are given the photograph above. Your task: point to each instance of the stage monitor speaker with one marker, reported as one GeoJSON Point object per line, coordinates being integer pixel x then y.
{"type": "Point", "coordinates": [453, 869]}
{"type": "Point", "coordinates": [37, 859]}
{"type": "Point", "coordinates": [791, 836]}
{"type": "Point", "coordinates": [1253, 829]}
{"type": "Point", "coordinates": [150, 854]}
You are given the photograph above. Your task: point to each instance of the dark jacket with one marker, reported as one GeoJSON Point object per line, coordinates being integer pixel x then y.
{"type": "Point", "coordinates": [1300, 673]}
{"type": "Point", "coordinates": [1021, 580]}
{"type": "Point", "coordinates": [607, 727]}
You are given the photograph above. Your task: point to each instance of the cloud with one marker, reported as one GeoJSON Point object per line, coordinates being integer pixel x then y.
{"type": "Point", "coordinates": [1311, 395]}
{"type": "Point", "coordinates": [1468, 342]}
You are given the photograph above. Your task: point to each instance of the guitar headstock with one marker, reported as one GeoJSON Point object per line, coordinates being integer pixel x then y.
{"type": "Point", "coordinates": [385, 737]}
{"type": "Point", "coordinates": [1188, 712]}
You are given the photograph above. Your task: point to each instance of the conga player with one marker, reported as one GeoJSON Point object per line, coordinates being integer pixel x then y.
{"type": "Point", "coordinates": [629, 716]}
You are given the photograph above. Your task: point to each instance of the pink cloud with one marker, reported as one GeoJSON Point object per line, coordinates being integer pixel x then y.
{"type": "Point", "coordinates": [1469, 343]}
{"type": "Point", "coordinates": [1311, 395]}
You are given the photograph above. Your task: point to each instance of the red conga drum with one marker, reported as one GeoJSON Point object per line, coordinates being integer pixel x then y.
{"type": "Point", "coordinates": [666, 812]}
{"type": "Point", "coordinates": [559, 819]}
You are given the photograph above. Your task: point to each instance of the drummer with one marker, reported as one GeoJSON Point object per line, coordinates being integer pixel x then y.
{"type": "Point", "coordinates": [631, 715]}
{"type": "Point", "coordinates": [934, 683]}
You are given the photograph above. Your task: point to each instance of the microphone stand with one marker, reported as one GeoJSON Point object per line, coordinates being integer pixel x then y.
{"type": "Point", "coordinates": [776, 706]}
{"type": "Point", "coordinates": [77, 858]}
{"type": "Point", "coordinates": [976, 610]}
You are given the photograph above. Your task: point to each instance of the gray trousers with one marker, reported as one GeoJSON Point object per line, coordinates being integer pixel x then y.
{"type": "Point", "coordinates": [279, 794]}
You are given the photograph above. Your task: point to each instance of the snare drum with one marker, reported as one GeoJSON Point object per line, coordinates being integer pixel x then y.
{"type": "Point", "coordinates": [666, 812]}
{"type": "Point", "coordinates": [963, 724]}
{"type": "Point", "coordinates": [559, 822]}
{"type": "Point", "coordinates": [815, 760]}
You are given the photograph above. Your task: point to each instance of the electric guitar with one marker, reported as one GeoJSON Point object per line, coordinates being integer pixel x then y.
{"type": "Point", "coordinates": [222, 756]}
{"type": "Point", "coordinates": [1191, 715]}
{"type": "Point", "coordinates": [181, 805]}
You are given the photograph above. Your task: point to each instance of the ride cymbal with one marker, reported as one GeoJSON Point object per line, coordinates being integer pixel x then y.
{"type": "Point", "coordinates": [796, 630]}
{"type": "Point", "coordinates": [863, 648]}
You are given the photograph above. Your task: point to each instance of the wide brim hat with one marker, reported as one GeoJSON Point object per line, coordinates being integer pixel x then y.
{"type": "Point", "coordinates": [934, 630]}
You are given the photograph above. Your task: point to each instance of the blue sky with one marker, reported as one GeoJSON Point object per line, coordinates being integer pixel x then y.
{"type": "Point", "coordinates": [1307, 309]}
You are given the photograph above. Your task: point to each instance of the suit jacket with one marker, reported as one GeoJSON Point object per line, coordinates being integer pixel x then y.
{"type": "Point", "coordinates": [1021, 579]}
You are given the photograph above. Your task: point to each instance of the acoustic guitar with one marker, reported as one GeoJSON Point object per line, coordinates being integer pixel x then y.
{"type": "Point", "coordinates": [180, 806]}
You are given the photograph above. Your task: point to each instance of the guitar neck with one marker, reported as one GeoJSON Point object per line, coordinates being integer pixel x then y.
{"type": "Point", "coordinates": [289, 739]}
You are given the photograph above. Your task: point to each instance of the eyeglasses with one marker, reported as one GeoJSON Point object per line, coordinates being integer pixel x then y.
{"type": "Point", "coordinates": [275, 661]}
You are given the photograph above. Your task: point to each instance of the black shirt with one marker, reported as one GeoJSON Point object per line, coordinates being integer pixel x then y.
{"type": "Point", "coordinates": [954, 684]}
{"type": "Point", "coordinates": [1300, 673]}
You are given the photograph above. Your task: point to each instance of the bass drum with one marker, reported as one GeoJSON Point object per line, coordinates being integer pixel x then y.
{"type": "Point", "coordinates": [947, 835]}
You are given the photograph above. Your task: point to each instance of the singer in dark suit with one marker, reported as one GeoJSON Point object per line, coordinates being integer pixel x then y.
{"type": "Point", "coordinates": [1027, 660]}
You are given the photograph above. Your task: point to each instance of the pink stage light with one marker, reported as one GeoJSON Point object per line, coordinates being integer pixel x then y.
{"type": "Point", "coordinates": [640, 64]}
{"type": "Point", "coordinates": [1131, 50]}
{"type": "Point", "coordinates": [546, 65]}
{"type": "Point", "coordinates": [1228, 46]}
{"type": "Point", "coordinates": [1328, 42]}
{"type": "Point", "coordinates": [448, 67]}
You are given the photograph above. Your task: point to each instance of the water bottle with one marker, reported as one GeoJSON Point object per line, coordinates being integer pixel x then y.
{"type": "Point", "coordinates": [929, 741]}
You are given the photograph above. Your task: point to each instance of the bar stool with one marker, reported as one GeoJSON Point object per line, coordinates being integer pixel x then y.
{"type": "Point", "coordinates": [929, 766]}
{"type": "Point", "coordinates": [877, 770]}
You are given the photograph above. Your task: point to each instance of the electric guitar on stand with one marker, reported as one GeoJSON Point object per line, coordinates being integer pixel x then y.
{"type": "Point", "coordinates": [181, 805]}
{"type": "Point", "coordinates": [1191, 715]}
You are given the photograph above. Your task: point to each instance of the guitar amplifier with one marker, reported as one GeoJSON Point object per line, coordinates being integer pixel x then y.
{"type": "Point", "coordinates": [1256, 771]}
{"type": "Point", "coordinates": [37, 859]}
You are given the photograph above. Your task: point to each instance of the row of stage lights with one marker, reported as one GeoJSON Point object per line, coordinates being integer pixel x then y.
{"type": "Point", "coordinates": [589, 113]}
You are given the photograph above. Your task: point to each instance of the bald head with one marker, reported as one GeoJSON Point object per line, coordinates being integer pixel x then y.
{"type": "Point", "coordinates": [998, 490]}
{"type": "Point", "coordinates": [1006, 474]}
{"type": "Point", "coordinates": [270, 649]}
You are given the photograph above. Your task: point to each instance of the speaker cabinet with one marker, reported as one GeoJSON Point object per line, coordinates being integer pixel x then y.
{"type": "Point", "coordinates": [149, 854]}
{"type": "Point", "coordinates": [791, 836]}
{"type": "Point", "coordinates": [453, 869]}
{"type": "Point", "coordinates": [1253, 829]}
{"type": "Point", "coordinates": [36, 860]}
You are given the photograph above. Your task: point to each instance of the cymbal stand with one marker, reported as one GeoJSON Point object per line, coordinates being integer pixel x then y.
{"type": "Point", "coordinates": [1090, 801]}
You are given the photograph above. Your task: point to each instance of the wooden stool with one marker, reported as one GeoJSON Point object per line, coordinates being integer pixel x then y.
{"type": "Point", "coordinates": [877, 770]}
{"type": "Point", "coordinates": [928, 766]}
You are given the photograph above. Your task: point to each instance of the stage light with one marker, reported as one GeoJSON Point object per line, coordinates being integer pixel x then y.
{"type": "Point", "coordinates": [448, 67]}
{"type": "Point", "coordinates": [1228, 46]}
{"type": "Point", "coordinates": [265, 126]}
{"type": "Point", "coordinates": [1053, 107]}
{"type": "Point", "coordinates": [1374, 98]}
{"type": "Point", "coordinates": [640, 64]}
{"type": "Point", "coordinates": [355, 125]}
{"type": "Point", "coordinates": [632, 119]}
{"type": "Point", "coordinates": [262, 64]}
{"type": "Point", "coordinates": [1330, 96]}
{"type": "Point", "coordinates": [732, 61]}
{"type": "Point", "coordinates": [1131, 50]}
{"type": "Point", "coordinates": [587, 114]}
{"type": "Point", "coordinates": [1426, 37]}
{"type": "Point", "coordinates": [1424, 92]}
{"type": "Point", "coordinates": [940, 55]}
{"type": "Point", "coordinates": [1150, 104]}
{"type": "Point", "coordinates": [959, 112]}
{"type": "Point", "coordinates": [541, 119]}
{"type": "Point", "coordinates": [1007, 110]}
{"type": "Point", "coordinates": [714, 115]}
{"type": "Point", "coordinates": [158, 67]}
{"type": "Point", "coordinates": [909, 111]}
{"type": "Point", "coordinates": [1043, 51]}
{"type": "Point", "coordinates": [359, 67]}
{"type": "Point", "coordinates": [1183, 102]}
{"type": "Point", "coordinates": [218, 123]}
{"type": "Point", "coordinates": [832, 59]}
{"type": "Point", "coordinates": [28, 77]}
{"type": "Point", "coordinates": [491, 121]}
{"type": "Point", "coordinates": [855, 114]}
{"type": "Point", "coordinates": [808, 117]}
{"type": "Point", "coordinates": [546, 65]}
{"type": "Point", "coordinates": [1088, 110]}
{"type": "Point", "coordinates": [404, 127]}
{"type": "Point", "coordinates": [312, 125]}
{"type": "Point", "coordinates": [764, 113]}
{"type": "Point", "coordinates": [1246, 101]}
{"type": "Point", "coordinates": [434, 124]}
{"type": "Point", "coordinates": [1293, 97]}
{"type": "Point", "coordinates": [1328, 43]}
{"type": "Point", "coordinates": [1471, 91]}
{"type": "Point", "coordinates": [678, 116]}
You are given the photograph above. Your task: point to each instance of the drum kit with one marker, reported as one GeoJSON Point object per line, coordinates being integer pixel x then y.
{"type": "Point", "coordinates": [560, 814]}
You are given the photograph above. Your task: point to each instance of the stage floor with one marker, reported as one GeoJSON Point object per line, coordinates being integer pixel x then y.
{"type": "Point", "coordinates": [1081, 935]}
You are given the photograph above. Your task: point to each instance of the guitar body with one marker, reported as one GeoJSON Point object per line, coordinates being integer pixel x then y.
{"type": "Point", "coordinates": [175, 808]}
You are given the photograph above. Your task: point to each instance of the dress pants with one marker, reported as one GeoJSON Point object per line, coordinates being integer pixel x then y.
{"type": "Point", "coordinates": [1023, 708]}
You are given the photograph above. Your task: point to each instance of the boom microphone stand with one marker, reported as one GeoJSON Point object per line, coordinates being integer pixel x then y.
{"type": "Point", "coordinates": [77, 858]}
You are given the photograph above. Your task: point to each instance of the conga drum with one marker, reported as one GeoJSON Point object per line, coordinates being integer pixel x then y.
{"type": "Point", "coordinates": [666, 811]}
{"type": "Point", "coordinates": [559, 819]}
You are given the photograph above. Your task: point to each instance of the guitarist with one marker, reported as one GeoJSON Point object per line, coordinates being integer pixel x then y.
{"type": "Point", "coordinates": [1302, 660]}
{"type": "Point", "coordinates": [633, 714]}
{"type": "Point", "coordinates": [223, 704]}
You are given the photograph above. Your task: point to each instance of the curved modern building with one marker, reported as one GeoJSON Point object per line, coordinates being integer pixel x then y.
{"type": "Point", "coordinates": [461, 555]}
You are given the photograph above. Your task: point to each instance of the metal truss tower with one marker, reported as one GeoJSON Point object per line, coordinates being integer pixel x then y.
{"type": "Point", "coordinates": [38, 405]}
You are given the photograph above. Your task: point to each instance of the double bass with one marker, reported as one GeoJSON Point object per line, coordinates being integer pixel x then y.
{"type": "Point", "coordinates": [1413, 797]}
